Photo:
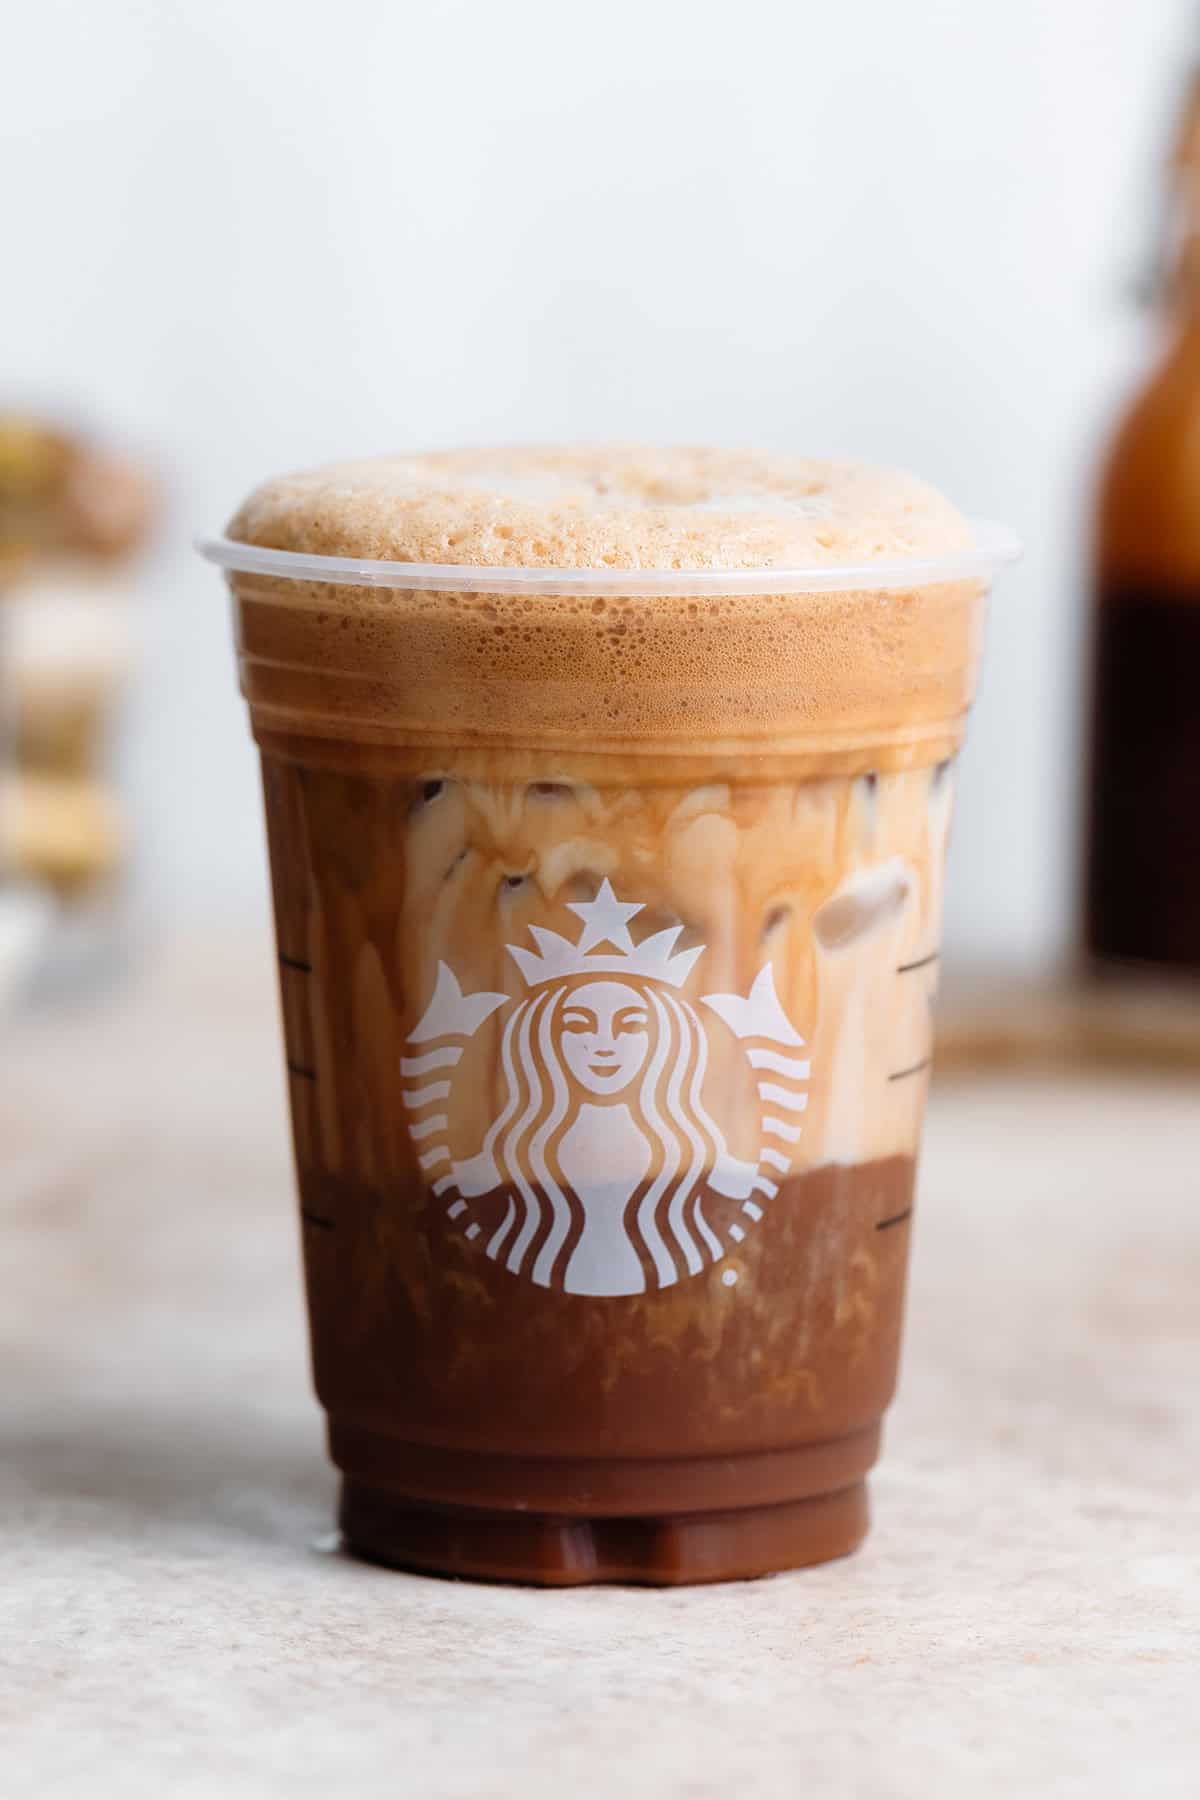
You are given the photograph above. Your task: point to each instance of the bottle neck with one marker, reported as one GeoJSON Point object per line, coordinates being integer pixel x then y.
{"type": "Point", "coordinates": [1178, 284]}
{"type": "Point", "coordinates": [1178, 296]}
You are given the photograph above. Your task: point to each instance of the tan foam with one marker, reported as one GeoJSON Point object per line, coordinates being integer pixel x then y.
{"type": "Point", "coordinates": [887, 674]}
{"type": "Point", "coordinates": [610, 506]}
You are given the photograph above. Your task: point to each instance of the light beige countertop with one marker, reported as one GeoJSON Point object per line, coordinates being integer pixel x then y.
{"type": "Point", "coordinates": [1023, 1621]}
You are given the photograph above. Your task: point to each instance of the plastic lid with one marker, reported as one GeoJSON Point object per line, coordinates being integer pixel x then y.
{"type": "Point", "coordinates": [993, 546]}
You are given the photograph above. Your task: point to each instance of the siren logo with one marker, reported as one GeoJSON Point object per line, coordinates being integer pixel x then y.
{"type": "Point", "coordinates": [593, 1175]}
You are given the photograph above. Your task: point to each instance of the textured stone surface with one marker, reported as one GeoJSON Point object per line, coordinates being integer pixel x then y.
{"type": "Point", "coordinates": [1021, 1621]}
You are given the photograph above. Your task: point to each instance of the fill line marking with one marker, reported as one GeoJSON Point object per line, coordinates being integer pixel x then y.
{"type": "Point", "coordinates": [903, 1074]}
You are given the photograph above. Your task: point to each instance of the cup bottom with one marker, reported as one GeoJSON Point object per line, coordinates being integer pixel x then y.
{"type": "Point", "coordinates": [543, 1550]}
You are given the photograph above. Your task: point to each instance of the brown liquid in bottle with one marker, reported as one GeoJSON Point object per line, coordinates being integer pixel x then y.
{"type": "Point", "coordinates": [1142, 875]}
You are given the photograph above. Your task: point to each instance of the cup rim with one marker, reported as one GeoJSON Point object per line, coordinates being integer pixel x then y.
{"type": "Point", "coordinates": [992, 547]}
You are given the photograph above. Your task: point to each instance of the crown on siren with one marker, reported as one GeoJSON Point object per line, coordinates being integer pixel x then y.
{"type": "Point", "coordinates": [605, 921]}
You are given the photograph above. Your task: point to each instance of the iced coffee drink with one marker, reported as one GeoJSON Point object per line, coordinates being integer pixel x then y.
{"type": "Point", "coordinates": [607, 794]}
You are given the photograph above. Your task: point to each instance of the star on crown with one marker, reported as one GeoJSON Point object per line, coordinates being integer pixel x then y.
{"type": "Point", "coordinates": [605, 921]}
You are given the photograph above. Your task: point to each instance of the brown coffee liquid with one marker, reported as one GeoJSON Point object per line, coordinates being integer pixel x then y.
{"type": "Point", "coordinates": [1143, 856]}
{"type": "Point", "coordinates": [719, 1421]}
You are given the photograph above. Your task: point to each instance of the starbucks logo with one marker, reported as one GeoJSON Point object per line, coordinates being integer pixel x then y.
{"type": "Point", "coordinates": [593, 1175]}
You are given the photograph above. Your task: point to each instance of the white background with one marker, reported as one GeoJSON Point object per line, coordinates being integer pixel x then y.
{"type": "Point", "coordinates": [255, 234]}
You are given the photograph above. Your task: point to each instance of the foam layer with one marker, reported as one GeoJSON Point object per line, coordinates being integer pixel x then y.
{"type": "Point", "coordinates": [609, 506]}
{"type": "Point", "coordinates": [866, 679]}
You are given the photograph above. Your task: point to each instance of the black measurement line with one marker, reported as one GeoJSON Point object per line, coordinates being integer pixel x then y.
{"type": "Point", "coordinates": [922, 962]}
{"type": "Point", "coordinates": [896, 1219]}
{"type": "Point", "coordinates": [312, 1218]}
{"type": "Point", "coordinates": [293, 962]}
{"type": "Point", "coordinates": [295, 1068]}
{"type": "Point", "coordinates": [903, 1074]}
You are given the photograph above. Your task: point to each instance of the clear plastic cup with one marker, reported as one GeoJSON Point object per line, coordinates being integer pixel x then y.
{"type": "Point", "coordinates": [607, 907]}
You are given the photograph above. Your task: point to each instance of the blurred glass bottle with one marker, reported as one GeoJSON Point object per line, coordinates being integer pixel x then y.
{"type": "Point", "coordinates": [1142, 835]}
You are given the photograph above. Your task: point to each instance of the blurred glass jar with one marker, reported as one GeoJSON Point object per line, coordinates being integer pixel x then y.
{"type": "Point", "coordinates": [72, 516]}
